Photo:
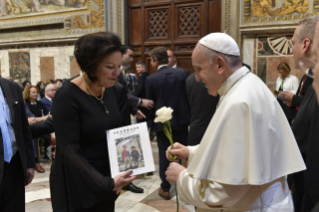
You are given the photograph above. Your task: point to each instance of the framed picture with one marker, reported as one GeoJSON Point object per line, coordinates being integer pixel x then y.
{"type": "Point", "coordinates": [130, 148]}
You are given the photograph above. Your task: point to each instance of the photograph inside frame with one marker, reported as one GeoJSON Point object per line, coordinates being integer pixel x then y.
{"type": "Point", "coordinates": [130, 148]}
{"type": "Point", "coordinates": [130, 153]}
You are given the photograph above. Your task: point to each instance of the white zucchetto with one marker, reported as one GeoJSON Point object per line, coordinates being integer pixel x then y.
{"type": "Point", "coordinates": [221, 42]}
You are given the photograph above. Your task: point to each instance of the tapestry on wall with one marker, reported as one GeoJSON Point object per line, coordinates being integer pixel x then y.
{"type": "Point", "coordinates": [19, 65]}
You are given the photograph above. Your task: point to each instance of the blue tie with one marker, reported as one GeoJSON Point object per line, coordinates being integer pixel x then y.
{"type": "Point", "coordinates": [7, 145]}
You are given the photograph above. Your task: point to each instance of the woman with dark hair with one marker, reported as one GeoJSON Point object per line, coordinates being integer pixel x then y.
{"type": "Point", "coordinates": [84, 108]}
{"type": "Point", "coordinates": [26, 83]}
{"type": "Point", "coordinates": [40, 86]}
{"type": "Point", "coordinates": [30, 95]}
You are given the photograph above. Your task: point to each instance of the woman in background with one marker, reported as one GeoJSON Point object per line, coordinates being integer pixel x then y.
{"type": "Point", "coordinates": [286, 82]}
{"type": "Point", "coordinates": [30, 95]}
{"type": "Point", "coordinates": [40, 86]}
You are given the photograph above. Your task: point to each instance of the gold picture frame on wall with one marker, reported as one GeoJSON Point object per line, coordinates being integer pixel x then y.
{"type": "Point", "coordinates": [279, 12]}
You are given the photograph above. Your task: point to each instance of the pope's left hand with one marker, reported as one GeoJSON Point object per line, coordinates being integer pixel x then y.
{"type": "Point", "coordinates": [173, 171]}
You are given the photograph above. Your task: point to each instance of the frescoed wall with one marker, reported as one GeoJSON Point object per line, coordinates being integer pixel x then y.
{"type": "Point", "coordinates": [19, 65]}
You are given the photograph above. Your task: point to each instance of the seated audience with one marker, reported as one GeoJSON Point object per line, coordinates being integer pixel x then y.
{"type": "Point", "coordinates": [30, 95]}
{"type": "Point", "coordinates": [50, 91]}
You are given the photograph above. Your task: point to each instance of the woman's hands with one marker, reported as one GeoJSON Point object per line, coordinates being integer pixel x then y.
{"type": "Point", "coordinates": [179, 150]}
{"type": "Point", "coordinates": [122, 180]}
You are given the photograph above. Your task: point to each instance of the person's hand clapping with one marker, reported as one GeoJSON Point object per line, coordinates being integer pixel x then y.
{"type": "Point", "coordinates": [179, 150]}
{"type": "Point", "coordinates": [122, 180]}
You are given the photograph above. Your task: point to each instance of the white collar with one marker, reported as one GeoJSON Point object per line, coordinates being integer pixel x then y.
{"type": "Point", "coordinates": [48, 98]}
{"type": "Point", "coordinates": [161, 66]}
{"type": "Point", "coordinates": [174, 66]}
{"type": "Point", "coordinates": [231, 80]}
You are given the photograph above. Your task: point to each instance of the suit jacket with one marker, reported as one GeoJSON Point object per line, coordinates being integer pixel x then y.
{"type": "Point", "coordinates": [140, 91]}
{"type": "Point", "coordinates": [301, 92]}
{"type": "Point", "coordinates": [166, 87]}
{"type": "Point", "coordinates": [13, 95]}
{"type": "Point", "coordinates": [46, 103]}
{"type": "Point", "coordinates": [131, 100]}
{"type": "Point", "coordinates": [202, 108]}
{"type": "Point", "coordinates": [306, 121]}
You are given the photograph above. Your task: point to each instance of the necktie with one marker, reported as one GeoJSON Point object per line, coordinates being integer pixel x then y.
{"type": "Point", "coordinates": [282, 84]}
{"type": "Point", "coordinates": [7, 146]}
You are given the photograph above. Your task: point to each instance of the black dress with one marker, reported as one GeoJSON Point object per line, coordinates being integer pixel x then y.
{"type": "Point", "coordinates": [37, 109]}
{"type": "Point", "coordinates": [80, 175]}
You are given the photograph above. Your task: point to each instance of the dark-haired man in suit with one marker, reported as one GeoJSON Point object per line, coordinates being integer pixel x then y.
{"type": "Point", "coordinates": [16, 149]}
{"type": "Point", "coordinates": [167, 88]}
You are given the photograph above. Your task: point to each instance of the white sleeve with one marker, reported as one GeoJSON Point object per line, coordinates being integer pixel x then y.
{"type": "Point", "coordinates": [208, 194]}
{"type": "Point", "coordinates": [192, 151]}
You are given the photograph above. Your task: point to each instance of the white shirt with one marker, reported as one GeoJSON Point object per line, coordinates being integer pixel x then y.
{"type": "Point", "coordinates": [244, 154]}
{"type": "Point", "coordinates": [48, 98]}
{"type": "Point", "coordinates": [161, 66]}
{"type": "Point", "coordinates": [291, 84]}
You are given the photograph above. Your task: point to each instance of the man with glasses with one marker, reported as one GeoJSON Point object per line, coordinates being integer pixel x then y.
{"type": "Point", "coordinates": [311, 197]}
{"type": "Point", "coordinates": [305, 123]}
{"type": "Point", "coordinates": [49, 93]}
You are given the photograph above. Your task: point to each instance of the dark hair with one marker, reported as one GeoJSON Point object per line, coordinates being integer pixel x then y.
{"type": "Point", "coordinates": [285, 67]}
{"type": "Point", "coordinates": [26, 82]}
{"type": "Point", "coordinates": [39, 84]}
{"type": "Point", "coordinates": [90, 49]}
{"type": "Point", "coordinates": [125, 48]}
{"type": "Point", "coordinates": [140, 63]}
{"type": "Point", "coordinates": [159, 53]}
{"type": "Point", "coordinates": [58, 80]}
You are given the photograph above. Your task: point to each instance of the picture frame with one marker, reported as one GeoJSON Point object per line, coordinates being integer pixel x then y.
{"type": "Point", "coordinates": [130, 148]}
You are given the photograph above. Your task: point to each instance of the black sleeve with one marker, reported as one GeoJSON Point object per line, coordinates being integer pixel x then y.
{"type": "Point", "coordinates": [140, 86]}
{"type": "Point", "coordinates": [28, 145]}
{"type": "Point", "coordinates": [72, 171]}
{"type": "Point", "coordinates": [122, 103]}
{"type": "Point", "coordinates": [42, 128]}
{"type": "Point", "coordinates": [296, 101]}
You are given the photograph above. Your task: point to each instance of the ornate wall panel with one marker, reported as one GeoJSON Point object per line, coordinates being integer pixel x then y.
{"type": "Point", "coordinates": [278, 12]}
{"type": "Point", "coordinates": [157, 23]}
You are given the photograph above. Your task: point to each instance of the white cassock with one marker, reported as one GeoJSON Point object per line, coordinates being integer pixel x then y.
{"type": "Point", "coordinates": [245, 154]}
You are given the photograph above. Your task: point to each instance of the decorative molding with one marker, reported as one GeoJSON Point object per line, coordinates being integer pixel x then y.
{"type": "Point", "coordinates": [120, 18]}
{"type": "Point", "coordinates": [184, 48]}
{"type": "Point", "coordinates": [158, 23]}
{"type": "Point", "coordinates": [227, 14]}
{"type": "Point", "coordinates": [189, 18]}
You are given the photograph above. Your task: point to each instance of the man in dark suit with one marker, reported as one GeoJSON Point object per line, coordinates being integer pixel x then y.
{"type": "Point", "coordinates": [167, 88]}
{"type": "Point", "coordinates": [305, 123]}
{"type": "Point", "coordinates": [140, 91]}
{"type": "Point", "coordinates": [16, 149]}
{"type": "Point", "coordinates": [172, 61]}
{"type": "Point", "coordinates": [202, 108]}
{"type": "Point", "coordinates": [50, 91]}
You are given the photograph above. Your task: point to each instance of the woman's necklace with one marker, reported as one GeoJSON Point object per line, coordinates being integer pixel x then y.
{"type": "Point", "coordinates": [99, 99]}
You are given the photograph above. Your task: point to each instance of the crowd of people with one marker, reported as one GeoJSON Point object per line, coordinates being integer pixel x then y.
{"type": "Point", "coordinates": [246, 148]}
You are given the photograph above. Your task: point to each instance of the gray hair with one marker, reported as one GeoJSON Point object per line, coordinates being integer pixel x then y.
{"type": "Point", "coordinates": [233, 61]}
{"type": "Point", "coordinates": [48, 87]}
{"type": "Point", "coordinates": [307, 29]}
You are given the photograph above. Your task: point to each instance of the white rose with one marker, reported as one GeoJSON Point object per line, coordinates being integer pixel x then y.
{"type": "Point", "coordinates": [163, 114]}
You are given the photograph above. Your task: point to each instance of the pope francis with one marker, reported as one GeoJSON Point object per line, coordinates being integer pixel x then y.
{"type": "Point", "coordinates": [248, 148]}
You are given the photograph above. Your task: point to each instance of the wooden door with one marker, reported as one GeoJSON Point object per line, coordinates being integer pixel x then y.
{"type": "Point", "coordinates": [175, 24]}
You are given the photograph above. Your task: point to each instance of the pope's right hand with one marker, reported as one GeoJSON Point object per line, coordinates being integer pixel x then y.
{"type": "Point", "coordinates": [122, 180]}
{"type": "Point", "coordinates": [179, 150]}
